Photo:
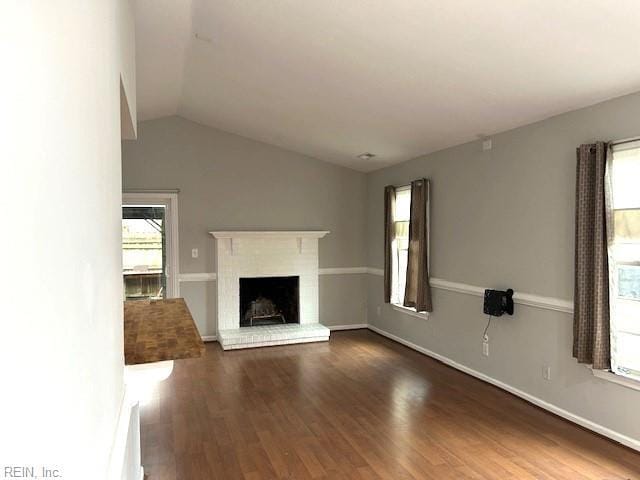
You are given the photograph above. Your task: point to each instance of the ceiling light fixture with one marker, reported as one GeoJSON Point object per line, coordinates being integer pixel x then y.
{"type": "Point", "coordinates": [366, 156]}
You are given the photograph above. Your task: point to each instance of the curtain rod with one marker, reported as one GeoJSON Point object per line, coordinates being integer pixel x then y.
{"type": "Point", "coordinates": [626, 140]}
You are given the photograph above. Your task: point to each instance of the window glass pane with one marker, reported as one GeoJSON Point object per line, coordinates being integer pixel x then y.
{"type": "Point", "coordinates": [402, 229]}
{"type": "Point", "coordinates": [624, 263]}
{"type": "Point", "coordinates": [627, 225]}
{"type": "Point", "coordinates": [402, 280]}
{"type": "Point", "coordinates": [401, 243]}
{"type": "Point", "coordinates": [628, 346]}
{"type": "Point", "coordinates": [625, 172]}
{"type": "Point", "coordinates": [403, 205]}
{"type": "Point", "coordinates": [629, 281]}
{"type": "Point", "coordinates": [402, 235]}
{"type": "Point", "coordinates": [143, 252]}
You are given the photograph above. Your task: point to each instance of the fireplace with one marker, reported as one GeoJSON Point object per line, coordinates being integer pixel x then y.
{"type": "Point", "coordinates": [269, 301]}
{"type": "Point", "coordinates": [267, 288]}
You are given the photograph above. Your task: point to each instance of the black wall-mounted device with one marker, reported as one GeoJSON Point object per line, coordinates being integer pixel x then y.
{"type": "Point", "coordinates": [497, 302]}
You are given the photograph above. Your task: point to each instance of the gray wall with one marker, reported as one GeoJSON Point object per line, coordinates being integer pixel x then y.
{"type": "Point", "coordinates": [231, 182]}
{"type": "Point", "coordinates": [505, 218]}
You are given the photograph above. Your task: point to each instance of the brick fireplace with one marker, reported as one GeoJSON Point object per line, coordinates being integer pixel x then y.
{"type": "Point", "coordinates": [242, 255]}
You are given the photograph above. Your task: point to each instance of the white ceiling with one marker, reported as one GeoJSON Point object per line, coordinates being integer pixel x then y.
{"type": "Point", "coordinates": [332, 79]}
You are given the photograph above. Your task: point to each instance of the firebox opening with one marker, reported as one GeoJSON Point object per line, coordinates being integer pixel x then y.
{"type": "Point", "coordinates": [269, 301]}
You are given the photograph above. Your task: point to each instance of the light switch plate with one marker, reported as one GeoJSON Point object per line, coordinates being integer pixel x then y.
{"type": "Point", "coordinates": [194, 253]}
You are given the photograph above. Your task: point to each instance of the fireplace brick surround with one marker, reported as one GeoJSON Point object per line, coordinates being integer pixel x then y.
{"type": "Point", "coordinates": [246, 254]}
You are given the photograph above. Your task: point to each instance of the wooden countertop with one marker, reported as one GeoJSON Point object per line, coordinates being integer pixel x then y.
{"type": "Point", "coordinates": [159, 330]}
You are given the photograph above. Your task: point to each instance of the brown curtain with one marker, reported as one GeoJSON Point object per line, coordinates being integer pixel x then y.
{"type": "Point", "coordinates": [417, 292]}
{"type": "Point", "coordinates": [591, 343]}
{"type": "Point", "coordinates": [389, 234]}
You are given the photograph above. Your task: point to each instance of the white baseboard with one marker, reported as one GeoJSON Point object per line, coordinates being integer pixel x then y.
{"type": "Point", "coordinates": [583, 422]}
{"type": "Point", "coordinates": [209, 338]}
{"type": "Point", "coordinates": [354, 326]}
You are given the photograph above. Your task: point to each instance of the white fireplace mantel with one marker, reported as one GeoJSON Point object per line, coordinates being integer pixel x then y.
{"type": "Point", "coordinates": [267, 253]}
{"type": "Point", "coordinates": [271, 234]}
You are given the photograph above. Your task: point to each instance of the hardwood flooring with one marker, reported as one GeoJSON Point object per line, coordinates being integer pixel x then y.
{"type": "Point", "coordinates": [359, 407]}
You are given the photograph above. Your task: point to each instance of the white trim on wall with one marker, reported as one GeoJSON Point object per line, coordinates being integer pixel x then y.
{"type": "Point", "coordinates": [270, 234]}
{"type": "Point", "coordinates": [375, 271]}
{"type": "Point", "coordinates": [456, 287]}
{"type": "Point", "coordinates": [528, 299]}
{"type": "Point", "coordinates": [197, 277]}
{"type": "Point", "coordinates": [588, 424]}
{"type": "Point", "coordinates": [342, 271]}
{"type": "Point", "coordinates": [211, 276]}
{"type": "Point", "coordinates": [539, 301]}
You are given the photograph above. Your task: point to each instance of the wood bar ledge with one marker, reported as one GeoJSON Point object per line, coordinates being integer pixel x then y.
{"type": "Point", "coordinates": [159, 330]}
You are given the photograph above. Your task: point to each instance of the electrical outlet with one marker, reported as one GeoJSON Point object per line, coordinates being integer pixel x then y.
{"type": "Point", "coordinates": [378, 310]}
{"type": "Point", "coordinates": [546, 372]}
{"type": "Point", "coordinates": [194, 253]}
{"type": "Point", "coordinates": [485, 349]}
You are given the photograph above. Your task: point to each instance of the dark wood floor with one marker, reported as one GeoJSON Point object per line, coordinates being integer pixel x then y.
{"type": "Point", "coordinates": [358, 407]}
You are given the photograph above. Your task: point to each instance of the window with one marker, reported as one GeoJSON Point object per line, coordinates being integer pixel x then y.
{"type": "Point", "coordinates": [400, 246]}
{"type": "Point", "coordinates": [144, 252]}
{"type": "Point", "coordinates": [624, 259]}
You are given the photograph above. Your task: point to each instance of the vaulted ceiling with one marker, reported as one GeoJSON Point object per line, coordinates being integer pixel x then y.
{"type": "Point", "coordinates": [333, 79]}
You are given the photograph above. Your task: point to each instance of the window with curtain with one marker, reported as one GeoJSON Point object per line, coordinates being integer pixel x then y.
{"type": "Point", "coordinates": [623, 173]}
{"type": "Point", "coordinates": [406, 246]}
{"type": "Point", "coordinates": [400, 244]}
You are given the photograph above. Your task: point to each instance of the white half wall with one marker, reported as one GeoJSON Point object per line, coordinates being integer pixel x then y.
{"type": "Point", "coordinates": [61, 337]}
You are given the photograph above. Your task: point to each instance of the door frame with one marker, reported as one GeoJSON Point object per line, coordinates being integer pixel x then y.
{"type": "Point", "coordinates": [169, 200]}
